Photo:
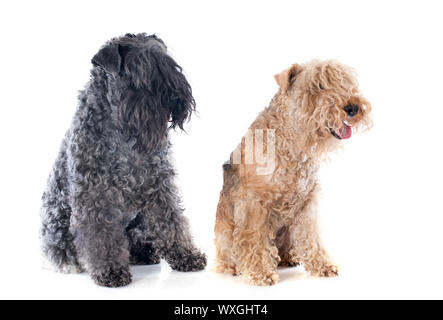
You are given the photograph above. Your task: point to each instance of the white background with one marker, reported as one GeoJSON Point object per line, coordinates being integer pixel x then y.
{"type": "Point", "coordinates": [381, 211]}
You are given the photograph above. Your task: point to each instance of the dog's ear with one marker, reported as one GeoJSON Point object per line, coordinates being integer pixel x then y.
{"type": "Point", "coordinates": [179, 99]}
{"type": "Point", "coordinates": [108, 58]}
{"type": "Point", "coordinates": [285, 78]}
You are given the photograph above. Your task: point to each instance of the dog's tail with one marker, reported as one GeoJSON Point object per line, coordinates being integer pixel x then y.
{"type": "Point", "coordinates": [226, 165]}
{"type": "Point", "coordinates": [227, 168]}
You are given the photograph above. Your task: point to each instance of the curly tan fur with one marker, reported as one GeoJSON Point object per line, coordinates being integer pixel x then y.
{"type": "Point", "coordinates": [266, 220]}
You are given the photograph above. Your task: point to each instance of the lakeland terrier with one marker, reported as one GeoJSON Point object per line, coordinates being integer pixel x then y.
{"type": "Point", "coordinates": [266, 215]}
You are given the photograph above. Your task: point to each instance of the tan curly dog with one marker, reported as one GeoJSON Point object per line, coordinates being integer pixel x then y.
{"type": "Point", "coordinates": [266, 215]}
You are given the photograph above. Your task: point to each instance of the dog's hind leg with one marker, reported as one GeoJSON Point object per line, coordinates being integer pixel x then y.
{"type": "Point", "coordinates": [141, 249]}
{"type": "Point", "coordinates": [56, 239]}
{"type": "Point", "coordinates": [224, 228]}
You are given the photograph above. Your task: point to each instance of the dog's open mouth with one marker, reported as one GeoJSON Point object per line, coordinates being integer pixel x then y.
{"type": "Point", "coordinates": [344, 132]}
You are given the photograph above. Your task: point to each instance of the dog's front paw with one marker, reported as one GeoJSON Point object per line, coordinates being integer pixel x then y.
{"type": "Point", "coordinates": [115, 277]}
{"type": "Point", "coordinates": [223, 267]}
{"type": "Point", "coordinates": [329, 270]}
{"type": "Point", "coordinates": [192, 262]}
{"type": "Point", "coordinates": [267, 279]}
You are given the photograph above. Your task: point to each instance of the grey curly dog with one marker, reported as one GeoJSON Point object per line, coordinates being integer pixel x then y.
{"type": "Point", "coordinates": [111, 200]}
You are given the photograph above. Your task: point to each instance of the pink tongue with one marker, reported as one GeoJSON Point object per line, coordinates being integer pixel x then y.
{"type": "Point", "coordinates": [345, 132]}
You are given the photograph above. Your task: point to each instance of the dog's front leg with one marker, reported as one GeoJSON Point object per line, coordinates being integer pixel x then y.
{"type": "Point", "coordinates": [169, 229]}
{"type": "Point", "coordinates": [255, 253]}
{"type": "Point", "coordinates": [99, 235]}
{"type": "Point", "coordinates": [306, 246]}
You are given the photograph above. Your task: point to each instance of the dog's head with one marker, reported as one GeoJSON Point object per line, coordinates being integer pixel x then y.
{"type": "Point", "coordinates": [325, 101]}
{"type": "Point", "coordinates": [146, 86]}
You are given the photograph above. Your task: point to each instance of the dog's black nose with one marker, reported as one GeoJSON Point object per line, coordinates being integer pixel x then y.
{"type": "Point", "coordinates": [351, 109]}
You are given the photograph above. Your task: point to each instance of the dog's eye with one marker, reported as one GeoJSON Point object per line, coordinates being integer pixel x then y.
{"type": "Point", "coordinates": [321, 87]}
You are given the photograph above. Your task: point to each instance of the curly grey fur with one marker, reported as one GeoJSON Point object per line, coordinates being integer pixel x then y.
{"type": "Point", "coordinates": [111, 198]}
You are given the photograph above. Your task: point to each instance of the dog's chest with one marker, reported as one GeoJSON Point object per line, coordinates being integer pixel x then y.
{"type": "Point", "coordinates": [140, 177]}
{"type": "Point", "coordinates": [295, 183]}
